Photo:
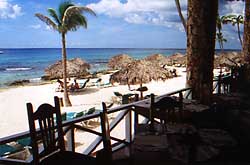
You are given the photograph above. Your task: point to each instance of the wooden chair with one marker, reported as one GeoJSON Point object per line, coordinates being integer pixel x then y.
{"type": "Point", "coordinates": [47, 139]}
{"type": "Point", "coordinates": [106, 155]}
{"type": "Point", "coordinates": [167, 109]}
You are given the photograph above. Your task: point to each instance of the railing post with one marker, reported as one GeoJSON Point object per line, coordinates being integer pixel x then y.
{"type": "Point", "coordinates": [219, 82]}
{"type": "Point", "coordinates": [151, 112]}
{"type": "Point", "coordinates": [128, 121]}
{"type": "Point", "coordinates": [70, 145]}
{"type": "Point", "coordinates": [128, 127]}
{"type": "Point", "coordinates": [180, 97]}
{"type": "Point", "coordinates": [181, 106]}
{"type": "Point", "coordinates": [61, 102]}
{"type": "Point", "coordinates": [70, 139]}
{"type": "Point", "coordinates": [136, 115]}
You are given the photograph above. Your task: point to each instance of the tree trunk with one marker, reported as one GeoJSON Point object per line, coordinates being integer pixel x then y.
{"type": "Point", "coordinates": [178, 6]}
{"type": "Point", "coordinates": [64, 61]}
{"type": "Point", "coordinates": [246, 35]}
{"type": "Point", "coordinates": [201, 30]}
{"type": "Point", "coordinates": [238, 28]}
{"type": "Point", "coordinates": [246, 41]}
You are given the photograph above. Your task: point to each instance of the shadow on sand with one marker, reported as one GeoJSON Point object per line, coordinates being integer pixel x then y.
{"type": "Point", "coordinates": [84, 91]}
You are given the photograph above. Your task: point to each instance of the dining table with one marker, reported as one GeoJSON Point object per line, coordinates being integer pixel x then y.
{"type": "Point", "coordinates": [185, 144]}
{"type": "Point", "coordinates": [187, 107]}
{"type": "Point", "coordinates": [150, 148]}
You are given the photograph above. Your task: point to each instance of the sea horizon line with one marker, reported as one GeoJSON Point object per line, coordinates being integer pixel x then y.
{"type": "Point", "coordinates": [118, 48]}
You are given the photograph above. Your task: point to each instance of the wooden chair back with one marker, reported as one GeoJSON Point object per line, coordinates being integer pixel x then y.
{"type": "Point", "coordinates": [47, 131]}
{"type": "Point", "coordinates": [165, 108]}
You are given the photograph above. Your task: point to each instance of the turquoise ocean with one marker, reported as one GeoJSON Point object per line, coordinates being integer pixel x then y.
{"type": "Point", "coordinates": [29, 64]}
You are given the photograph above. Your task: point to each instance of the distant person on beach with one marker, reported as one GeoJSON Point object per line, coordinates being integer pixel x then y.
{"type": "Point", "coordinates": [60, 83]}
{"type": "Point", "coordinates": [60, 87]}
{"type": "Point", "coordinates": [74, 85]}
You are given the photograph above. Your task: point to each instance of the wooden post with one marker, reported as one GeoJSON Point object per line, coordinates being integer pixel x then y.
{"type": "Point", "coordinates": [219, 82]}
{"type": "Point", "coordinates": [61, 102]}
{"type": "Point", "coordinates": [136, 115]}
{"type": "Point", "coordinates": [70, 136]}
{"type": "Point", "coordinates": [128, 127]}
{"type": "Point", "coordinates": [70, 140]}
{"type": "Point", "coordinates": [181, 106]}
{"type": "Point", "coordinates": [151, 112]}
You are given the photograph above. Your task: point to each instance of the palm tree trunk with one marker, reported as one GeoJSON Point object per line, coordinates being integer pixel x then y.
{"type": "Point", "coordinates": [246, 39]}
{"type": "Point", "coordinates": [246, 35]}
{"type": "Point", "coordinates": [64, 61]}
{"type": "Point", "coordinates": [238, 27]}
{"type": "Point", "coordinates": [201, 30]}
{"type": "Point", "coordinates": [178, 6]}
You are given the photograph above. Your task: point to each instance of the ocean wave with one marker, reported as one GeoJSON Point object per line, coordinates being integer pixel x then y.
{"type": "Point", "coordinates": [34, 80]}
{"type": "Point", "coordinates": [98, 61]}
{"type": "Point", "coordinates": [17, 69]}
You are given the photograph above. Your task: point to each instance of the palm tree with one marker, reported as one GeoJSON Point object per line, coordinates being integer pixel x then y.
{"type": "Point", "coordinates": [235, 20]}
{"type": "Point", "coordinates": [221, 40]}
{"type": "Point", "coordinates": [68, 18]}
{"type": "Point", "coordinates": [219, 36]}
{"type": "Point", "coordinates": [178, 6]}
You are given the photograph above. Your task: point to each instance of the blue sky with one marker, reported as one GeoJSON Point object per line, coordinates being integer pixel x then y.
{"type": "Point", "coordinates": [119, 24]}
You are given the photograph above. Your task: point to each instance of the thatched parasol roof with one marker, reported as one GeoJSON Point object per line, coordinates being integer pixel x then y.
{"type": "Point", "coordinates": [140, 71]}
{"type": "Point", "coordinates": [157, 59]}
{"type": "Point", "coordinates": [177, 58]}
{"type": "Point", "coordinates": [119, 61]}
{"type": "Point", "coordinates": [75, 68]}
{"type": "Point", "coordinates": [228, 59]}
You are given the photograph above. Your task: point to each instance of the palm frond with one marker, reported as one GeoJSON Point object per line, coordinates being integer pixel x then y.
{"type": "Point", "coordinates": [75, 10]}
{"type": "Point", "coordinates": [75, 22]}
{"type": "Point", "coordinates": [53, 14]}
{"type": "Point", "coordinates": [63, 7]}
{"type": "Point", "coordinates": [47, 20]}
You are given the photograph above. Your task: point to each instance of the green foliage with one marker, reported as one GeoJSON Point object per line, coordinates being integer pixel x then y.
{"type": "Point", "coordinates": [219, 36]}
{"type": "Point", "coordinates": [235, 20]}
{"type": "Point", "coordinates": [69, 17]}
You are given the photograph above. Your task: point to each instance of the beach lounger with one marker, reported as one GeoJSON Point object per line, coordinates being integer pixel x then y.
{"type": "Point", "coordinates": [123, 99]}
{"type": "Point", "coordinates": [80, 88]}
{"type": "Point", "coordinates": [6, 149]}
{"type": "Point", "coordinates": [86, 123]}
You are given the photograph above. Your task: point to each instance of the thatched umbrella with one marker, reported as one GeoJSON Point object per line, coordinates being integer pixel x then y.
{"type": "Point", "coordinates": [157, 59]}
{"type": "Point", "coordinates": [228, 59]}
{"type": "Point", "coordinates": [76, 67]}
{"type": "Point", "coordinates": [119, 61]}
{"type": "Point", "coordinates": [176, 58]}
{"type": "Point", "coordinates": [139, 72]}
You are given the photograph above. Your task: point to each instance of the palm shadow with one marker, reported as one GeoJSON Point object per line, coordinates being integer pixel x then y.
{"type": "Point", "coordinates": [84, 91]}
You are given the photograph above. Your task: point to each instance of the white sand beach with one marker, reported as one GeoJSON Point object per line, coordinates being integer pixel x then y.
{"type": "Point", "coordinates": [13, 101]}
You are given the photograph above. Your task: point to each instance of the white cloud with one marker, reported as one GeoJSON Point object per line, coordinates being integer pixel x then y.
{"type": "Point", "coordinates": [232, 7]}
{"type": "Point", "coordinates": [8, 10]}
{"type": "Point", "coordinates": [156, 12]}
{"type": "Point", "coordinates": [38, 26]}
